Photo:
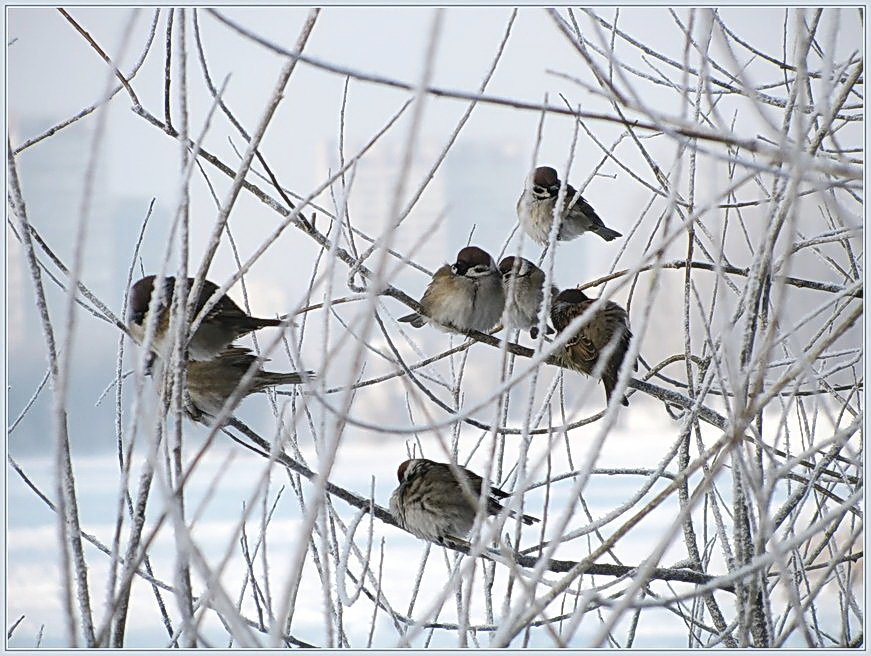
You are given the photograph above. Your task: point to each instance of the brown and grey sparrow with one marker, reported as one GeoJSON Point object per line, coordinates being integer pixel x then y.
{"type": "Point", "coordinates": [536, 204]}
{"type": "Point", "coordinates": [523, 283]}
{"type": "Point", "coordinates": [211, 382]}
{"type": "Point", "coordinates": [463, 296]}
{"type": "Point", "coordinates": [431, 503]}
{"type": "Point", "coordinates": [581, 353]}
{"type": "Point", "coordinates": [225, 322]}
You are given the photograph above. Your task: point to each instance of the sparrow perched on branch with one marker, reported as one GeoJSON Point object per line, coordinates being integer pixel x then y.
{"type": "Point", "coordinates": [211, 382]}
{"type": "Point", "coordinates": [463, 296]}
{"type": "Point", "coordinates": [431, 503]}
{"type": "Point", "coordinates": [225, 322]}
{"type": "Point", "coordinates": [523, 283]}
{"type": "Point", "coordinates": [535, 210]}
{"type": "Point", "coordinates": [609, 326]}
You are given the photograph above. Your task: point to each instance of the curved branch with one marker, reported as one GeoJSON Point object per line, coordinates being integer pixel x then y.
{"type": "Point", "coordinates": [677, 127]}
{"type": "Point", "coordinates": [261, 447]}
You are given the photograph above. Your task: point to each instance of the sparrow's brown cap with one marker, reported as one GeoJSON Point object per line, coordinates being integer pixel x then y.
{"type": "Point", "coordinates": [400, 473]}
{"type": "Point", "coordinates": [140, 297]}
{"type": "Point", "coordinates": [515, 264]}
{"type": "Point", "coordinates": [572, 296]}
{"type": "Point", "coordinates": [472, 256]}
{"type": "Point", "coordinates": [507, 265]}
{"type": "Point", "coordinates": [545, 176]}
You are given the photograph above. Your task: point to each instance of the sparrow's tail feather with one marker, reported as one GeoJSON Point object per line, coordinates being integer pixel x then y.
{"type": "Point", "coordinates": [496, 507]}
{"type": "Point", "coordinates": [270, 378]}
{"type": "Point", "coordinates": [268, 322]}
{"type": "Point", "coordinates": [244, 324]}
{"type": "Point", "coordinates": [256, 324]}
{"type": "Point", "coordinates": [415, 319]}
{"type": "Point", "coordinates": [610, 382]}
{"type": "Point", "coordinates": [606, 233]}
{"type": "Point", "coordinates": [527, 519]}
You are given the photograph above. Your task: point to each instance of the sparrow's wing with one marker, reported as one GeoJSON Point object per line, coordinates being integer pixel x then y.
{"type": "Point", "coordinates": [612, 322]}
{"type": "Point", "coordinates": [581, 205]}
{"type": "Point", "coordinates": [582, 347]}
{"type": "Point", "coordinates": [583, 344]}
{"type": "Point", "coordinates": [205, 294]}
{"type": "Point", "coordinates": [475, 481]}
{"type": "Point", "coordinates": [234, 361]}
{"type": "Point", "coordinates": [439, 278]}
{"type": "Point", "coordinates": [570, 193]}
{"type": "Point", "coordinates": [499, 494]}
{"type": "Point", "coordinates": [561, 318]}
{"type": "Point", "coordinates": [495, 507]}
{"type": "Point", "coordinates": [588, 211]}
{"type": "Point", "coordinates": [225, 308]}
{"type": "Point", "coordinates": [609, 320]}
{"type": "Point", "coordinates": [618, 324]}
{"type": "Point", "coordinates": [237, 356]}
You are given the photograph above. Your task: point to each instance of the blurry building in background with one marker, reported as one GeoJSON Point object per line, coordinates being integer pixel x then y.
{"type": "Point", "coordinates": [483, 181]}
{"type": "Point", "coordinates": [51, 173]}
{"type": "Point", "coordinates": [475, 187]}
{"type": "Point", "coordinates": [373, 185]}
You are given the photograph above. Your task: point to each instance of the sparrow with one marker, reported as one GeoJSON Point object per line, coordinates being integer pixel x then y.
{"type": "Point", "coordinates": [523, 283]}
{"type": "Point", "coordinates": [225, 322]}
{"type": "Point", "coordinates": [535, 210]}
{"type": "Point", "coordinates": [581, 353]}
{"type": "Point", "coordinates": [463, 296]}
{"type": "Point", "coordinates": [431, 503]}
{"type": "Point", "coordinates": [211, 382]}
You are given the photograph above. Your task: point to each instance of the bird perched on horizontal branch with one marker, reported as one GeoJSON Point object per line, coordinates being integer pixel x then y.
{"type": "Point", "coordinates": [211, 382]}
{"type": "Point", "coordinates": [523, 283]}
{"type": "Point", "coordinates": [224, 323]}
{"type": "Point", "coordinates": [431, 503]}
{"type": "Point", "coordinates": [463, 296]}
{"type": "Point", "coordinates": [609, 327]}
{"type": "Point", "coordinates": [535, 210]}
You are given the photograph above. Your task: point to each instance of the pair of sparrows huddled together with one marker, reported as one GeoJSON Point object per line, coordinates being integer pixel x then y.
{"type": "Point", "coordinates": [472, 293]}
{"type": "Point", "coordinates": [214, 366]}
